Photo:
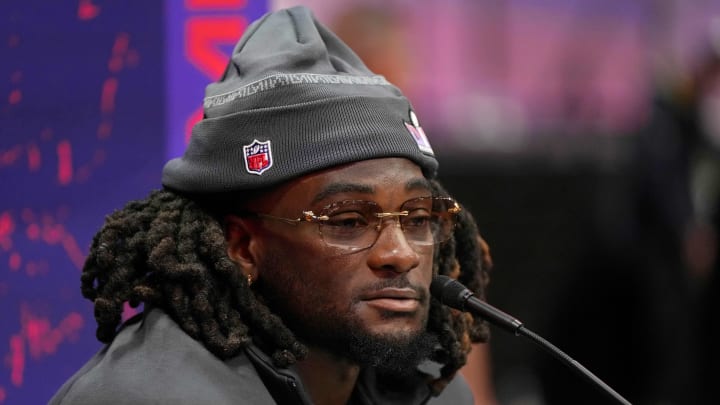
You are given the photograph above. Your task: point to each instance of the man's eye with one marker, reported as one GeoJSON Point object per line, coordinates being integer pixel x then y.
{"type": "Point", "coordinates": [347, 220]}
{"type": "Point", "coordinates": [416, 220]}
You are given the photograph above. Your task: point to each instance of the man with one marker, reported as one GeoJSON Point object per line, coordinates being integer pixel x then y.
{"type": "Point", "coordinates": [289, 256]}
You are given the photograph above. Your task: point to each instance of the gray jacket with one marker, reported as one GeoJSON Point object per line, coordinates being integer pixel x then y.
{"type": "Point", "coordinates": [152, 361]}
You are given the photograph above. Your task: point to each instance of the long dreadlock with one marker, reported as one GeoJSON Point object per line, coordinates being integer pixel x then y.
{"type": "Point", "coordinates": [168, 251]}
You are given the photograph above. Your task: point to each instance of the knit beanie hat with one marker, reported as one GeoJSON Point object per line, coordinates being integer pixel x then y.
{"type": "Point", "coordinates": [294, 99]}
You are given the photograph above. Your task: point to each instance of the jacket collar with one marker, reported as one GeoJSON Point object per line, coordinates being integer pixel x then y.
{"type": "Point", "coordinates": [285, 386]}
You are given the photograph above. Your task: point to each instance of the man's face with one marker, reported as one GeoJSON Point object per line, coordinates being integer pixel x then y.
{"type": "Point", "coordinates": [333, 298]}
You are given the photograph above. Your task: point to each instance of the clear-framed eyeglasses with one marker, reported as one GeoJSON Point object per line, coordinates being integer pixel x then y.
{"type": "Point", "coordinates": [356, 224]}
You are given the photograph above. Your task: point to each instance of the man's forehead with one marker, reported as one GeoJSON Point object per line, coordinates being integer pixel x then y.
{"type": "Point", "coordinates": [367, 177]}
{"type": "Point", "coordinates": [364, 188]}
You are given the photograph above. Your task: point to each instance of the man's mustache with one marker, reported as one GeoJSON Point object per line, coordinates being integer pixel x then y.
{"type": "Point", "coordinates": [395, 282]}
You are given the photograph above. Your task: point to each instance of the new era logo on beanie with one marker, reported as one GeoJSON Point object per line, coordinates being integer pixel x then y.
{"type": "Point", "coordinates": [418, 134]}
{"type": "Point", "coordinates": [294, 99]}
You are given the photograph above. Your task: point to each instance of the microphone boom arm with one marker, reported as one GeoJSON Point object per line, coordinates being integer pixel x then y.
{"type": "Point", "coordinates": [452, 293]}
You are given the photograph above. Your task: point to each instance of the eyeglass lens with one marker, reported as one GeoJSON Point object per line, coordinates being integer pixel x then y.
{"type": "Point", "coordinates": [356, 224]}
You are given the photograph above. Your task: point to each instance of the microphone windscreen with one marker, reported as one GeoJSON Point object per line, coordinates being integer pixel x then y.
{"type": "Point", "coordinates": [450, 292]}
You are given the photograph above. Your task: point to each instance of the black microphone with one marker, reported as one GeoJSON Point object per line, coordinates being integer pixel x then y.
{"type": "Point", "coordinates": [452, 293]}
{"type": "Point", "coordinates": [455, 295]}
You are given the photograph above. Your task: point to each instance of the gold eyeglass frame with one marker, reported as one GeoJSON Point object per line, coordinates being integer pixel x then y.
{"type": "Point", "coordinates": [310, 217]}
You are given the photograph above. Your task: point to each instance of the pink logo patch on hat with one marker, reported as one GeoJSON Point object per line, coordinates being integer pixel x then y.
{"type": "Point", "coordinates": [258, 157]}
{"type": "Point", "coordinates": [418, 134]}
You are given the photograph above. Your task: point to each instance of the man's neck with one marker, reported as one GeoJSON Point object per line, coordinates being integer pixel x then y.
{"type": "Point", "coordinates": [328, 379]}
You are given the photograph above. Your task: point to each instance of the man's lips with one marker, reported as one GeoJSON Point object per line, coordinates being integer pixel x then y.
{"type": "Point", "coordinates": [393, 299]}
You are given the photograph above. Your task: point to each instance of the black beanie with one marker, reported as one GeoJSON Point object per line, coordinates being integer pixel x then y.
{"type": "Point", "coordinates": [294, 99]}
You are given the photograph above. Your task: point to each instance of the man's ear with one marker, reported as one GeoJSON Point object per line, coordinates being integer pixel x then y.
{"type": "Point", "coordinates": [241, 245]}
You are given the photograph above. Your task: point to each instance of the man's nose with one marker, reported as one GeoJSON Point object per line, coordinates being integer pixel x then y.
{"type": "Point", "coordinates": [392, 251]}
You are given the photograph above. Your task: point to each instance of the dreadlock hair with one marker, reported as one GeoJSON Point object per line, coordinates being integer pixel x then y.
{"type": "Point", "coordinates": [465, 257]}
{"type": "Point", "coordinates": [168, 251]}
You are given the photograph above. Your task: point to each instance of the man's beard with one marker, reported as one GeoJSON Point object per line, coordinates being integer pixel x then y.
{"type": "Point", "coordinates": [338, 330]}
{"type": "Point", "coordinates": [343, 335]}
{"type": "Point", "coordinates": [388, 355]}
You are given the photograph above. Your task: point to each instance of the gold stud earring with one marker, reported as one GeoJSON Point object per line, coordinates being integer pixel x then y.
{"type": "Point", "coordinates": [249, 279]}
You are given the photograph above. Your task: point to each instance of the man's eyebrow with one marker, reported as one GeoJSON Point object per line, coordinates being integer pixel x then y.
{"type": "Point", "coordinates": [338, 188]}
{"type": "Point", "coordinates": [418, 184]}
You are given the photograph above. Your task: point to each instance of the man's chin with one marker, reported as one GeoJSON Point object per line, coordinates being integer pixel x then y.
{"type": "Point", "coordinates": [396, 351]}
{"type": "Point", "coordinates": [395, 331]}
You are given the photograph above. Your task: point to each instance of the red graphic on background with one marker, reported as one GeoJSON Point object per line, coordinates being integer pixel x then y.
{"type": "Point", "coordinates": [10, 156]}
{"type": "Point", "coordinates": [68, 171]}
{"type": "Point", "coordinates": [203, 38]}
{"type": "Point", "coordinates": [34, 159]}
{"type": "Point", "coordinates": [15, 261]}
{"type": "Point", "coordinates": [43, 228]}
{"type": "Point", "coordinates": [65, 168]}
{"type": "Point", "coordinates": [7, 227]}
{"type": "Point", "coordinates": [107, 99]}
{"type": "Point", "coordinates": [128, 311]}
{"type": "Point", "coordinates": [52, 158]}
{"type": "Point", "coordinates": [17, 360]}
{"type": "Point", "coordinates": [120, 51]}
{"type": "Point", "coordinates": [196, 5]}
{"type": "Point", "coordinates": [38, 339]}
{"type": "Point", "coordinates": [46, 228]}
{"type": "Point", "coordinates": [86, 10]}
{"type": "Point", "coordinates": [15, 96]}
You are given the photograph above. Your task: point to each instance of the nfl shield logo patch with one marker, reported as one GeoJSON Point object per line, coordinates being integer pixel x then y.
{"type": "Point", "coordinates": [258, 157]}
